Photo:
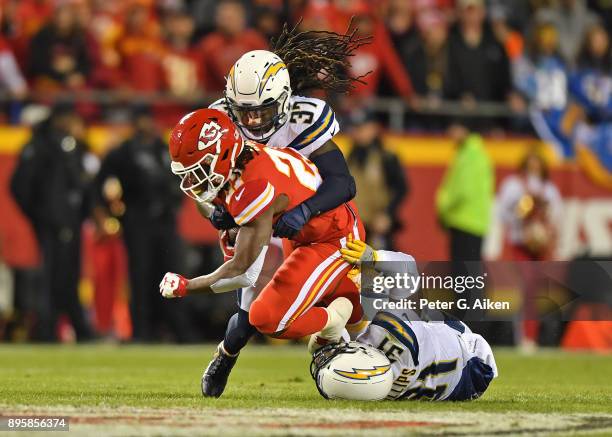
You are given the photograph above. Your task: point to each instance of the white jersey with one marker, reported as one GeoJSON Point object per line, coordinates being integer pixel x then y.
{"type": "Point", "coordinates": [311, 123]}
{"type": "Point", "coordinates": [429, 360]}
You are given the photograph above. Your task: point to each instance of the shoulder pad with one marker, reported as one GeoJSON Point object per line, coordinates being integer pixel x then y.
{"type": "Point", "coordinates": [250, 200]}
{"type": "Point", "coordinates": [316, 123]}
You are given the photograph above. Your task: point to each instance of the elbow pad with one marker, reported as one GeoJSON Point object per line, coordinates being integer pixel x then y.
{"type": "Point", "coordinates": [247, 279]}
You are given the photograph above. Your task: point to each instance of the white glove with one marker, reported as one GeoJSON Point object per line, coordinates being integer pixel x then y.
{"type": "Point", "coordinates": [173, 285]}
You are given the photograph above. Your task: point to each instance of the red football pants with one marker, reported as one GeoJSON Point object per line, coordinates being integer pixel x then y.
{"type": "Point", "coordinates": [310, 275]}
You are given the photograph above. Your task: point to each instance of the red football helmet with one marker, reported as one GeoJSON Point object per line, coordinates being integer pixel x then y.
{"type": "Point", "coordinates": [203, 147]}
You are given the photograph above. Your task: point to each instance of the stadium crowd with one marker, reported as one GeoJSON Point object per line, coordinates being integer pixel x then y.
{"type": "Point", "coordinates": [425, 51]}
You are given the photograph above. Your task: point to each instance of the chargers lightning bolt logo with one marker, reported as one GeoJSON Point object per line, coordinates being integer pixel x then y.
{"type": "Point", "coordinates": [269, 73]}
{"type": "Point", "coordinates": [363, 374]}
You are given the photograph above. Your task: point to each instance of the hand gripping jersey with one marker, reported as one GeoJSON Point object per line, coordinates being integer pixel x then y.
{"type": "Point", "coordinates": [273, 172]}
{"type": "Point", "coordinates": [311, 124]}
{"type": "Point", "coordinates": [432, 360]}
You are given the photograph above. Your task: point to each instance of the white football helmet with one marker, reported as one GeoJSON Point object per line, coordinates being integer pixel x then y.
{"type": "Point", "coordinates": [257, 92]}
{"type": "Point", "coordinates": [352, 371]}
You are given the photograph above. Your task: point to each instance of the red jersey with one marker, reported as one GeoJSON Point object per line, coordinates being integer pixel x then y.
{"type": "Point", "coordinates": [273, 172]}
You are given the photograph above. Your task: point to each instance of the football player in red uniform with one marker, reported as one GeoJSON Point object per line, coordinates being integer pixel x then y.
{"type": "Point", "coordinates": [310, 293]}
{"type": "Point", "coordinates": [280, 116]}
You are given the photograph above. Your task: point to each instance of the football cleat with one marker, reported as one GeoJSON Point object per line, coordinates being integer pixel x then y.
{"type": "Point", "coordinates": [339, 312]}
{"type": "Point", "coordinates": [215, 376]}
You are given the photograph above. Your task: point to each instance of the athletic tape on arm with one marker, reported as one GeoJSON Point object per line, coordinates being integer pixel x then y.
{"type": "Point", "coordinates": [247, 279]}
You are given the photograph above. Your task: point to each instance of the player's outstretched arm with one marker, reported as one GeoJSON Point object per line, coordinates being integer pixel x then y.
{"type": "Point", "coordinates": [337, 188]}
{"type": "Point", "coordinates": [250, 241]}
{"type": "Point", "coordinates": [246, 264]}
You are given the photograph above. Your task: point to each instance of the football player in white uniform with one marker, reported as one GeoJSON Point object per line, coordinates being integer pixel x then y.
{"type": "Point", "coordinates": [261, 97]}
{"type": "Point", "coordinates": [426, 360]}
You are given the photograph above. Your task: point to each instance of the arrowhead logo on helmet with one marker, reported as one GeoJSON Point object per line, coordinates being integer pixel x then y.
{"type": "Point", "coordinates": [204, 146]}
{"type": "Point", "coordinates": [210, 135]}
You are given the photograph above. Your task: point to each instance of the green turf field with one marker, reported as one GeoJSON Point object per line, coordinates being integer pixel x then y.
{"type": "Point", "coordinates": [156, 390]}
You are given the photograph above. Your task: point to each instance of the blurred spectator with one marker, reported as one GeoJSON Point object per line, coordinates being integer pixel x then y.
{"type": "Point", "coordinates": [50, 184]}
{"type": "Point", "coordinates": [25, 17]}
{"type": "Point", "coordinates": [379, 176]}
{"type": "Point", "coordinates": [320, 15]}
{"type": "Point", "coordinates": [400, 21]}
{"type": "Point", "coordinates": [267, 22]}
{"type": "Point", "coordinates": [377, 60]}
{"type": "Point", "coordinates": [183, 67]}
{"type": "Point", "coordinates": [141, 49]}
{"type": "Point", "coordinates": [465, 197]}
{"type": "Point", "coordinates": [11, 78]}
{"type": "Point", "coordinates": [540, 75]}
{"type": "Point", "coordinates": [571, 18]}
{"type": "Point", "coordinates": [426, 57]}
{"type": "Point", "coordinates": [201, 10]}
{"type": "Point", "coordinates": [478, 68]}
{"type": "Point", "coordinates": [21, 19]}
{"type": "Point", "coordinates": [589, 115]}
{"type": "Point", "coordinates": [596, 51]}
{"type": "Point", "coordinates": [230, 40]}
{"type": "Point", "coordinates": [510, 39]}
{"type": "Point", "coordinates": [591, 82]}
{"type": "Point", "coordinates": [151, 197]}
{"type": "Point", "coordinates": [529, 205]}
{"type": "Point", "coordinates": [105, 29]}
{"type": "Point", "coordinates": [517, 14]}
{"type": "Point", "coordinates": [58, 55]}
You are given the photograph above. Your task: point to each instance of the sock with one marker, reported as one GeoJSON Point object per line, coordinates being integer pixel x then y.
{"type": "Point", "coordinates": [238, 332]}
{"type": "Point", "coordinates": [308, 323]}
{"type": "Point", "coordinates": [356, 329]}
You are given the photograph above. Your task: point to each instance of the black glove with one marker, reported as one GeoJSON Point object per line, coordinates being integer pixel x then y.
{"type": "Point", "coordinates": [221, 219]}
{"type": "Point", "coordinates": [292, 222]}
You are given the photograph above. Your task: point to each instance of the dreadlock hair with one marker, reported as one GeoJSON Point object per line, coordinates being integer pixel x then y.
{"type": "Point", "coordinates": [248, 153]}
{"type": "Point", "coordinates": [319, 59]}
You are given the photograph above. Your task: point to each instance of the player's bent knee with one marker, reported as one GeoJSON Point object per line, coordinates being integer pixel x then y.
{"type": "Point", "coordinates": [264, 320]}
